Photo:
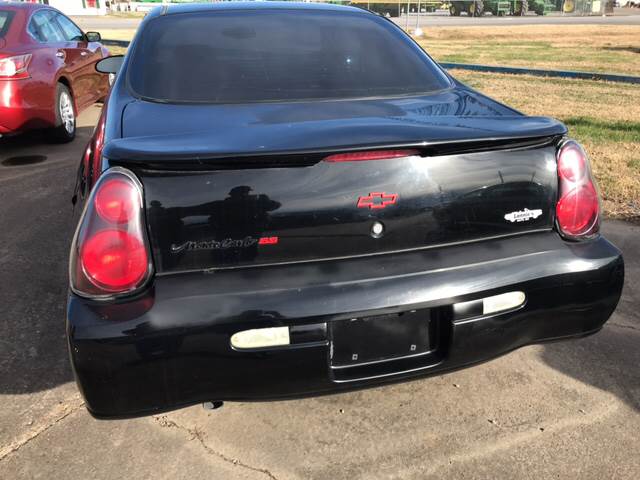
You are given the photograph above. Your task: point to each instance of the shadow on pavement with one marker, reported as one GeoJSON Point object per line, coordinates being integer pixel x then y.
{"type": "Point", "coordinates": [609, 359]}
{"type": "Point", "coordinates": [37, 143]}
{"type": "Point", "coordinates": [17, 143]}
{"type": "Point", "coordinates": [37, 225]}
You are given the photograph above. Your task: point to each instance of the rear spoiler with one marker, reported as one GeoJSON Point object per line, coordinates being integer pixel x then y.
{"type": "Point", "coordinates": [303, 159]}
{"type": "Point", "coordinates": [260, 146]}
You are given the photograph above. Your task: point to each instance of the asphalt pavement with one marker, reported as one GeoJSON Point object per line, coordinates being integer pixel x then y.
{"type": "Point", "coordinates": [561, 410]}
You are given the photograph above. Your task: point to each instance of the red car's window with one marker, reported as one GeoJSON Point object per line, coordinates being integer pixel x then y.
{"type": "Point", "coordinates": [44, 28]}
{"type": "Point", "coordinates": [71, 32]}
{"type": "Point", "coordinates": [5, 21]}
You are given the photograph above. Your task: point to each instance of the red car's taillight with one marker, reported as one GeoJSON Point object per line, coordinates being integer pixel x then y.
{"type": "Point", "coordinates": [15, 67]}
{"type": "Point", "coordinates": [578, 208]}
{"type": "Point", "coordinates": [110, 252]}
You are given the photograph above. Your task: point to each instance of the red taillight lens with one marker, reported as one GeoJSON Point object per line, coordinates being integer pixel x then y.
{"type": "Point", "coordinates": [370, 155]}
{"type": "Point", "coordinates": [114, 260]}
{"type": "Point", "coordinates": [578, 210]}
{"type": "Point", "coordinates": [572, 163]}
{"type": "Point", "coordinates": [110, 253]}
{"type": "Point", "coordinates": [115, 201]}
{"type": "Point", "coordinates": [15, 67]}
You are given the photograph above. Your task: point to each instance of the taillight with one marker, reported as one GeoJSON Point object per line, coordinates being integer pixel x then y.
{"type": "Point", "coordinates": [114, 260]}
{"type": "Point", "coordinates": [371, 155]}
{"type": "Point", "coordinates": [115, 201]}
{"type": "Point", "coordinates": [110, 252]}
{"type": "Point", "coordinates": [15, 67]}
{"type": "Point", "coordinates": [578, 208]}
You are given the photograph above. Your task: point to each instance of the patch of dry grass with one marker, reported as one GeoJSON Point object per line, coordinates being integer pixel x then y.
{"type": "Point", "coordinates": [604, 117]}
{"type": "Point", "coordinates": [117, 34]}
{"type": "Point", "coordinates": [126, 15]}
{"type": "Point", "coordinates": [112, 34]}
{"type": "Point", "coordinates": [597, 48]}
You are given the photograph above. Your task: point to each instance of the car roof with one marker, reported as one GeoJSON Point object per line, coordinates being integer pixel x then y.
{"type": "Point", "coordinates": [22, 6]}
{"type": "Point", "coordinates": [256, 5]}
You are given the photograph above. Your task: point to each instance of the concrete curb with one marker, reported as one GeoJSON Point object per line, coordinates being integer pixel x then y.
{"type": "Point", "coordinates": [544, 73]}
{"type": "Point", "coordinates": [115, 43]}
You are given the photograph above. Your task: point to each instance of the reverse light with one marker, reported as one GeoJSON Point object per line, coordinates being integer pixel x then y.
{"type": "Point", "coordinates": [110, 251]}
{"type": "Point", "coordinates": [371, 155]}
{"type": "Point", "coordinates": [502, 302]}
{"type": "Point", "coordinates": [260, 338]}
{"type": "Point", "coordinates": [15, 67]}
{"type": "Point", "coordinates": [578, 208]}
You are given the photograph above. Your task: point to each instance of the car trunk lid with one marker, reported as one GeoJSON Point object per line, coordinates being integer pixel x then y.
{"type": "Point", "coordinates": [255, 188]}
{"type": "Point", "coordinates": [186, 135]}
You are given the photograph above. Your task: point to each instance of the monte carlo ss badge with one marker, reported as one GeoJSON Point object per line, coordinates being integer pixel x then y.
{"type": "Point", "coordinates": [227, 243]}
{"type": "Point", "coordinates": [523, 215]}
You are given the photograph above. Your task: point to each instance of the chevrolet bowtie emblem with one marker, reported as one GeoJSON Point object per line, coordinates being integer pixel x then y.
{"type": "Point", "coordinates": [377, 200]}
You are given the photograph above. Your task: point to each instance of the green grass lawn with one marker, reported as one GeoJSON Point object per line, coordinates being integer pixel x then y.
{"type": "Point", "coordinates": [543, 55]}
{"type": "Point", "coordinates": [593, 48]}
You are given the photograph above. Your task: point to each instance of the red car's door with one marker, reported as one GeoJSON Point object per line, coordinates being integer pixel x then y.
{"type": "Point", "coordinates": [85, 55]}
{"type": "Point", "coordinates": [71, 54]}
{"type": "Point", "coordinates": [49, 57]}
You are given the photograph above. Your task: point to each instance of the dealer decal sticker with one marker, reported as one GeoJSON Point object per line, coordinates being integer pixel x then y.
{"type": "Point", "coordinates": [523, 215]}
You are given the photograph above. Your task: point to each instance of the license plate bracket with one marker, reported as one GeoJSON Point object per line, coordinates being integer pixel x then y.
{"type": "Point", "coordinates": [380, 338]}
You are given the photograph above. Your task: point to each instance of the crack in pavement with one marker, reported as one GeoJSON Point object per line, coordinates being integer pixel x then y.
{"type": "Point", "coordinates": [514, 441]}
{"type": "Point", "coordinates": [198, 435]}
{"type": "Point", "coordinates": [54, 164]}
{"type": "Point", "coordinates": [619, 325]}
{"type": "Point", "coordinates": [56, 415]}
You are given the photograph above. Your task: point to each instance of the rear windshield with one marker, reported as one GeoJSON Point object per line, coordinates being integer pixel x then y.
{"type": "Point", "coordinates": [271, 55]}
{"type": "Point", "coordinates": [5, 20]}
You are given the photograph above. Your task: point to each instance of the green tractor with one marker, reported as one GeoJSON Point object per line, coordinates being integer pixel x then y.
{"type": "Point", "coordinates": [497, 7]}
{"type": "Point", "coordinates": [392, 9]}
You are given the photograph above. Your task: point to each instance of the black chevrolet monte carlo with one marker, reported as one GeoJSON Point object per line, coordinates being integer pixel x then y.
{"type": "Point", "coordinates": [283, 200]}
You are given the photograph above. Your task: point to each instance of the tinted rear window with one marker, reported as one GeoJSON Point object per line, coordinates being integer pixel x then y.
{"type": "Point", "coordinates": [270, 55]}
{"type": "Point", "coordinates": [5, 21]}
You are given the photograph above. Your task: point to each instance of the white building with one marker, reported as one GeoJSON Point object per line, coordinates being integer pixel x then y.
{"type": "Point", "coordinates": [76, 7]}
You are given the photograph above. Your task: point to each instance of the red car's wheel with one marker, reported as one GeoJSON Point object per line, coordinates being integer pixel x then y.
{"type": "Point", "coordinates": [65, 129]}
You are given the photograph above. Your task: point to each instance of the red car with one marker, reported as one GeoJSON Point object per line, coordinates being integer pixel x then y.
{"type": "Point", "coordinates": [47, 70]}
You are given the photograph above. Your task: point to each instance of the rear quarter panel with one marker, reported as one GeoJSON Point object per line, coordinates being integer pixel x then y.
{"type": "Point", "coordinates": [29, 102]}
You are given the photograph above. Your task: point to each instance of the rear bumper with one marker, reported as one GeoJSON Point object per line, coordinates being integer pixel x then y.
{"type": "Point", "coordinates": [170, 347]}
{"type": "Point", "coordinates": [25, 105]}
